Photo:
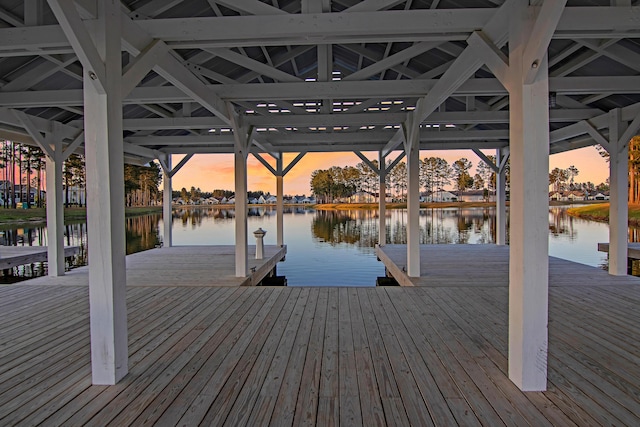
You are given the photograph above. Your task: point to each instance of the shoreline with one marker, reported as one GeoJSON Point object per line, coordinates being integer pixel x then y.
{"type": "Point", "coordinates": [11, 218]}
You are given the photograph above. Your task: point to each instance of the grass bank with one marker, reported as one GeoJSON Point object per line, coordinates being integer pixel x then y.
{"type": "Point", "coordinates": [600, 212]}
{"type": "Point", "coordinates": [35, 216]}
{"type": "Point", "coordinates": [350, 206]}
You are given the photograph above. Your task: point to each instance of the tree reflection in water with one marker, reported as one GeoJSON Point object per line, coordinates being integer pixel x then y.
{"type": "Point", "coordinates": [360, 227]}
{"type": "Point", "coordinates": [572, 238]}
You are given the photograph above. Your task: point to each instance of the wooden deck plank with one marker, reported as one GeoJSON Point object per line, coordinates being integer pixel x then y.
{"type": "Point", "coordinates": [158, 328]}
{"type": "Point", "coordinates": [243, 356]}
{"type": "Point", "coordinates": [434, 399]}
{"type": "Point", "coordinates": [495, 346]}
{"type": "Point", "coordinates": [438, 367]}
{"type": "Point", "coordinates": [208, 352]}
{"type": "Point", "coordinates": [157, 347]}
{"type": "Point", "coordinates": [370, 403]}
{"type": "Point", "coordinates": [423, 308]}
{"type": "Point", "coordinates": [349, 402]}
{"type": "Point", "coordinates": [189, 266]}
{"type": "Point", "coordinates": [307, 406]}
{"type": "Point", "coordinates": [394, 410]}
{"type": "Point", "coordinates": [328, 407]}
{"type": "Point", "coordinates": [242, 336]}
{"type": "Point", "coordinates": [244, 402]}
{"type": "Point", "coordinates": [284, 410]}
{"type": "Point", "coordinates": [13, 256]}
{"type": "Point", "coordinates": [219, 410]}
{"type": "Point", "coordinates": [577, 385]}
{"type": "Point", "coordinates": [266, 399]}
{"type": "Point", "coordinates": [409, 391]}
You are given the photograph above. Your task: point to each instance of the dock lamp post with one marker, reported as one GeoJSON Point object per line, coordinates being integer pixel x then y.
{"type": "Point", "coordinates": [259, 233]}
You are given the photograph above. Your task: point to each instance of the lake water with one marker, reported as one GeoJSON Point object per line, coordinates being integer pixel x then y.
{"type": "Point", "coordinates": [330, 247]}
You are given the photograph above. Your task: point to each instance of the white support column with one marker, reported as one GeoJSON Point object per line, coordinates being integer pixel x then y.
{"type": "Point", "coordinates": [501, 197]}
{"type": "Point", "coordinates": [105, 202]}
{"type": "Point", "coordinates": [382, 206]}
{"type": "Point", "coordinates": [279, 201]}
{"type": "Point", "coordinates": [529, 228]}
{"type": "Point", "coordinates": [55, 207]}
{"type": "Point", "coordinates": [167, 199]}
{"type": "Point", "coordinates": [241, 152]}
{"type": "Point", "coordinates": [412, 149]}
{"type": "Point", "coordinates": [619, 198]}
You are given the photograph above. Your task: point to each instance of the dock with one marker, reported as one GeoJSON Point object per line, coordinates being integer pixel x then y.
{"type": "Point", "coordinates": [183, 266]}
{"type": "Point", "coordinates": [633, 249]}
{"type": "Point", "coordinates": [483, 265]}
{"type": "Point", "coordinates": [13, 256]}
{"type": "Point", "coordinates": [420, 355]}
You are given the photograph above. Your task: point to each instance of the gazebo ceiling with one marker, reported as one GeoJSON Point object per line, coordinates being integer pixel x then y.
{"type": "Point", "coordinates": [314, 75]}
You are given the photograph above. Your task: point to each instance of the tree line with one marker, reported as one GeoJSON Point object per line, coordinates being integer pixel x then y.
{"type": "Point", "coordinates": [435, 173]}
{"type": "Point", "coordinates": [23, 172]}
{"type": "Point", "coordinates": [564, 179]}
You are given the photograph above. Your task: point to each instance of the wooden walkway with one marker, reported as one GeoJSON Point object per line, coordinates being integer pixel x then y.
{"type": "Point", "coordinates": [484, 265]}
{"type": "Point", "coordinates": [319, 356]}
{"type": "Point", "coordinates": [12, 256]}
{"type": "Point", "coordinates": [182, 266]}
{"type": "Point", "coordinates": [633, 249]}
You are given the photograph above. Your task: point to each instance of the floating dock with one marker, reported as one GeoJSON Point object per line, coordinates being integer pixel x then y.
{"type": "Point", "coordinates": [183, 266]}
{"type": "Point", "coordinates": [13, 256]}
{"type": "Point", "coordinates": [484, 265]}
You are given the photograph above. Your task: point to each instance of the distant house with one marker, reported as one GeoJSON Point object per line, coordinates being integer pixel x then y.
{"type": "Point", "coordinates": [211, 201]}
{"type": "Point", "coordinates": [442, 196]}
{"type": "Point", "coordinates": [272, 199]}
{"type": "Point", "coordinates": [474, 196]}
{"type": "Point", "coordinates": [575, 196]}
{"type": "Point", "coordinates": [601, 196]}
{"type": "Point", "coordinates": [556, 196]}
{"type": "Point", "coordinates": [253, 201]}
{"type": "Point", "coordinates": [261, 200]}
{"type": "Point", "coordinates": [231, 201]}
{"type": "Point", "coordinates": [361, 197]}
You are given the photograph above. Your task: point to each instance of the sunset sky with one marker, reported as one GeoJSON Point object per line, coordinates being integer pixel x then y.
{"type": "Point", "coordinates": [215, 171]}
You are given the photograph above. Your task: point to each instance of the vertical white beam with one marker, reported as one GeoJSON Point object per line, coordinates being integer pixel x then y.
{"type": "Point", "coordinates": [382, 206]}
{"type": "Point", "coordinates": [167, 212]}
{"type": "Point", "coordinates": [529, 211]}
{"type": "Point", "coordinates": [501, 197]}
{"type": "Point", "coordinates": [619, 196]}
{"type": "Point", "coordinates": [241, 152]}
{"type": "Point", "coordinates": [105, 204]}
{"type": "Point", "coordinates": [55, 208]}
{"type": "Point", "coordinates": [412, 148]}
{"type": "Point", "coordinates": [279, 202]}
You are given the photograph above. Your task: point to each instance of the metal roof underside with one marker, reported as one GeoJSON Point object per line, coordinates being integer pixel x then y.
{"type": "Point", "coordinates": [314, 75]}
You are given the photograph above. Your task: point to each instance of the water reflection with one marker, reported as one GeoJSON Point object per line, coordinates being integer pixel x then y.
{"type": "Point", "coordinates": [326, 246]}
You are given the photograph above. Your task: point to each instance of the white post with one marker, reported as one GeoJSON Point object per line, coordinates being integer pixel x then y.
{"type": "Point", "coordinates": [105, 203]}
{"type": "Point", "coordinates": [167, 212]}
{"type": "Point", "coordinates": [529, 211]}
{"type": "Point", "coordinates": [619, 196]}
{"type": "Point", "coordinates": [55, 208]}
{"type": "Point", "coordinates": [279, 202]}
{"type": "Point", "coordinates": [412, 149]}
{"type": "Point", "coordinates": [382, 207]}
{"type": "Point", "coordinates": [241, 152]}
{"type": "Point", "coordinates": [501, 204]}
{"type": "Point", "coordinates": [259, 235]}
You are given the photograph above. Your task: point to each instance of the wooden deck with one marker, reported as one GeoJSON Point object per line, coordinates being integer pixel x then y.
{"type": "Point", "coordinates": [484, 265]}
{"type": "Point", "coordinates": [633, 249]}
{"type": "Point", "coordinates": [12, 256]}
{"type": "Point", "coordinates": [182, 266]}
{"type": "Point", "coordinates": [430, 355]}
